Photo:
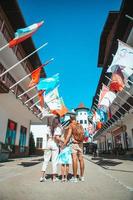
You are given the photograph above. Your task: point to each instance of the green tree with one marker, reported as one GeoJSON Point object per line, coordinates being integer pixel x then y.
{"type": "Point", "coordinates": [32, 148]}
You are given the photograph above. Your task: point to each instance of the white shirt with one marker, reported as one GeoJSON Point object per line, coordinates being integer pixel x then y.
{"type": "Point", "coordinates": [57, 132]}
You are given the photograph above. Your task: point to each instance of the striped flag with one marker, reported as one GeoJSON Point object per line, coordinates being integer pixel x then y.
{"type": "Point", "coordinates": [24, 33]}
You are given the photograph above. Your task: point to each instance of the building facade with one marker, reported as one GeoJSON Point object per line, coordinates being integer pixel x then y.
{"type": "Point", "coordinates": [116, 135]}
{"type": "Point", "coordinates": [16, 116]}
{"type": "Point", "coordinates": [82, 114]}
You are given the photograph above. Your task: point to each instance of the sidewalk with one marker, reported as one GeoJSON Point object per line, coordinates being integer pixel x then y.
{"type": "Point", "coordinates": [119, 169]}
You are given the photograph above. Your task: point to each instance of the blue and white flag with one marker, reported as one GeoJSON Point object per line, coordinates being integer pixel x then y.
{"type": "Point", "coordinates": [48, 84]}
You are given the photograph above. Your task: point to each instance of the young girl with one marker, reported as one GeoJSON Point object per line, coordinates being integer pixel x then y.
{"type": "Point", "coordinates": [64, 157]}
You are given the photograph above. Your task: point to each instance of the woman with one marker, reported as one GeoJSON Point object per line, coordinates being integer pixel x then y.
{"type": "Point", "coordinates": [52, 149]}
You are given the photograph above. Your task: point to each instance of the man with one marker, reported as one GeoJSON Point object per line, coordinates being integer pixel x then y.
{"type": "Point", "coordinates": [77, 148]}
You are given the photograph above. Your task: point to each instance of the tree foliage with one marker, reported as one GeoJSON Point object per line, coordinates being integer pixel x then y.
{"type": "Point", "coordinates": [32, 148]}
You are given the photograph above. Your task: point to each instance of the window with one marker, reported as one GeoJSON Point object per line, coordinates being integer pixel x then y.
{"type": "Point", "coordinates": [81, 121]}
{"type": "Point", "coordinates": [11, 132]}
{"type": "Point", "coordinates": [22, 139]}
{"type": "Point", "coordinates": [85, 121]}
{"type": "Point", "coordinates": [39, 142]}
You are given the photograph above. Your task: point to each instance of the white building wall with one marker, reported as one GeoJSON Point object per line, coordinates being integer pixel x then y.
{"type": "Point", "coordinates": [82, 115]}
{"type": "Point", "coordinates": [40, 131]}
{"type": "Point", "coordinates": [11, 108]}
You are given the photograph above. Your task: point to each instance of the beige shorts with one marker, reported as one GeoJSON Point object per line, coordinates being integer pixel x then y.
{"type": "Point", "coordinates": [77, 148]}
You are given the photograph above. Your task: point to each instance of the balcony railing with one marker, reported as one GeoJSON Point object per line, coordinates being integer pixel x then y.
{"type": "Point", "coordinates": [18, 50]}
{"type": "Point", "coordinates": [8, 80]}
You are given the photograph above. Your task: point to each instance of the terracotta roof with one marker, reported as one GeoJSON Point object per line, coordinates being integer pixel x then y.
{"type": "Point", "coordinates": [81, 105]}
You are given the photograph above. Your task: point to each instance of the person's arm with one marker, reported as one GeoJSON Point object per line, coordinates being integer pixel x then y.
{"type": "Point", "coordinates": [57, 135]}
{"type": "Point", "coordinates": [68, 137]}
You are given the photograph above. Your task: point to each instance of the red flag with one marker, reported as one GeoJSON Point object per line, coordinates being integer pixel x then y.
{"type": "Point", "coordinates": [41, 98]}
{"type": "Point", "coordinates": [35, 76]}
{"type": "Point", "coordinates": [99, 125]}
{"type": "Point", "coordinates": [117, 83]}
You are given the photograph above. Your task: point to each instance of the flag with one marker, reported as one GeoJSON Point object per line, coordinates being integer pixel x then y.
{"type": "Point", "coordinates": [99, 125]}
{"type": "Point", "coordinates": [96, 117]}
{"type": "Point", "coordinates": [124, 59]}
{"type": "Point", "coordinates": [117, 83]}
{"type": "Point", "coordinates": [103, 114]}
{"type": "Point", "coordinates": [91, 129]}
{"type": "Point", "coordinates": [48, 84]}
{"type": "Point", "coordinates": [103, 92]}
{"type": "Point", "coordinates": [24, 33]}
{"type": "Point", "coordinates": [62, 111]}
{"type": "Point", "coordinates": [55, 104]}
{"type": "Point", "coordinates": [35, 76]}
{"type": "Point", "coordinates": [41, 98]}
{"type": "Point", "coordinates": [52, 95]}
{"type": "Point", "coordinates": [108, 99]}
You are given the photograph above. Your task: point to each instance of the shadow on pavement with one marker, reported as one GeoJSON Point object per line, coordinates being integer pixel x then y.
{"type": "Point", "coordinates": [9, 160]}
{"type": "Point", "coordinates": [49, 176]}
{"type": "Point", "coordinates": [118, 170]}
{"type": "Point", "coordinates": [40, 159]}
{"type": "Point", "coordinates": [119, 157]}
{"type": "Point", "coordinates": [107, 163]}
{"type": "Point", "coordinates": [28, 164]}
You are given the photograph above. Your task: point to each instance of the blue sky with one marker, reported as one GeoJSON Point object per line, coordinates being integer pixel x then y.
{"type": "Point", "coordinates": [72, 29]}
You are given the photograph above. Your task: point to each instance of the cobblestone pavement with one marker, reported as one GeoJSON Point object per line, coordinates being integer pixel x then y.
{"type": "Point", "coordinates": [19, 180]}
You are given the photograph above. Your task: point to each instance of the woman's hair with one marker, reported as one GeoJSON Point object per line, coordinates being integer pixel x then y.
{"type": "Point", "coordinates": [55, 122]}
{"type": "Point", "coordinates": [72, 117]}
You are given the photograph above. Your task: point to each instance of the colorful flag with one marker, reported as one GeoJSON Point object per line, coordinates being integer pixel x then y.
{"type": "Point", "coordinates": [108, 99]}
{"type": "Point", "coordinates": [55, 104]}
{"type": "Point", "coordinates": [62, 111]}
{"type": "Point", "coordinates": [91, 129]}
{"type": "Point", "coordinates": [103, 92]}
{"type": "Point", "coordinates": [124, 59]}
{"type": "Point", "coordinates": [117, 83]}
{"type": "Point", "coordinates": [103, 114]}
{"type": "Point", "coordinates": [48, 84]}
{"type": "Point", "coordinates": [24, 33]}
{"type": "Point", "coordinates": [35, 75]}
{"type": "Point", "coordinates": [41, 98]}
{"type": "Point", "coordinates": [53, 95]}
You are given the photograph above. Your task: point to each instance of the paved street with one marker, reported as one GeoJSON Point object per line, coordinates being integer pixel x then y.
{"type": "Point", "coordinates": [19, 179]}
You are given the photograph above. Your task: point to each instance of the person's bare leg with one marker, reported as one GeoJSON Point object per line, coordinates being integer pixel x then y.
{"type": "Point", "coordinates": [43, 174]}
{"type": "Point", "coordinates": [63, 171]}
{"type": "Point", "coordinates": [75, 164]}
{"type": "Point", "coordinates": [82, 165]}
{"type": "Point", "coordinates": [67, 171]}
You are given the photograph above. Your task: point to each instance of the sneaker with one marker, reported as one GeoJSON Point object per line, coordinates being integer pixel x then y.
{"type": "Point", "coordinates": [74, 180]}
{"type": "Point", "coordinates": [82, 178]}
{"type": "Point", "coordinates": [63, 180]}
{"type": "Point", "coordinates": [55, 180]}
{"type": "Point", "coordinates": [43, 179]}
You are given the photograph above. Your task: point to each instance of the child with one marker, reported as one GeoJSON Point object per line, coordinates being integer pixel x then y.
{"type": "Point", "coordinates": [65, 158]}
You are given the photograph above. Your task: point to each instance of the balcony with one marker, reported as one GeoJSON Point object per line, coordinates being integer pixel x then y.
{"type": "Point", "coordinates": [6, 81]}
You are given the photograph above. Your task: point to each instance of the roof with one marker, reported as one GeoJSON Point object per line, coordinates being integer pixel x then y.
{"type": "Point", "coordinates": [81, 107]}
{"type": "Point", "coordinates": [16, 19]}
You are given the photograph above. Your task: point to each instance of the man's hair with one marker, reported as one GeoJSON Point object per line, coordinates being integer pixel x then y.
{"type": "Point", "coordinates": [72, 117]}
